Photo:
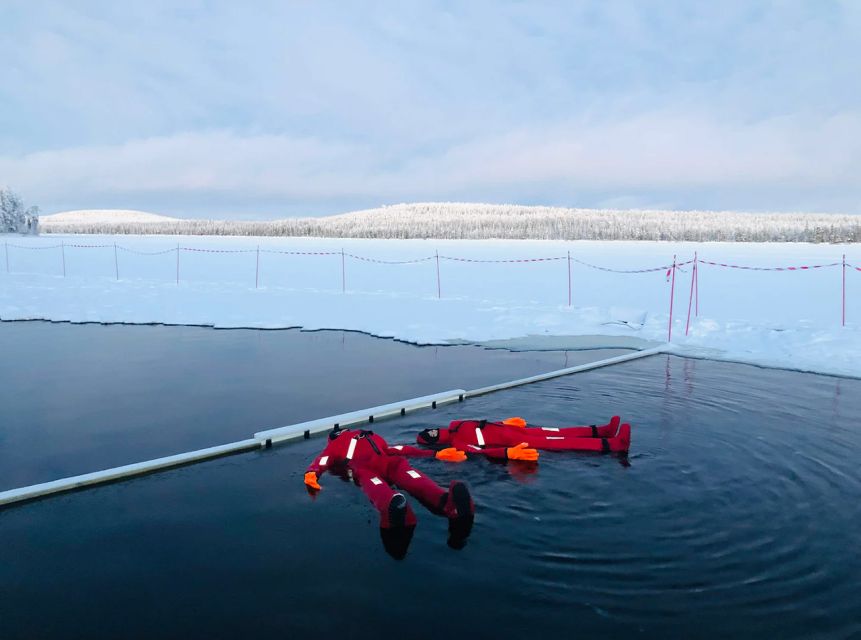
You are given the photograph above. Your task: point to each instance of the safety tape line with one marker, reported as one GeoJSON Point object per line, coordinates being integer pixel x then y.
{"type": "Point", "coordinates": [363, 259]}
{"type": "Point", "coordinates": [146, 253]}
{"type": "Point", "coordinates": [666, 268]}
{"type": "Point", "coordinates": [747, 268]}
{"type": "Point", "coordinates": [217, 250]}
{"type": "Point", "coordinates": [512, 260]}
{"type": "Point", "coordinates": [650, 270]}
{"type": "Point", "coordinates": [18, 246]}
{"type": "Point", "coordinates": [302, 253]}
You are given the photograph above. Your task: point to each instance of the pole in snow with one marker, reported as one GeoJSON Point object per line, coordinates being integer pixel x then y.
{"type": "Point", "coordinates": [696, 286]}
{"type": "Point", "coordinates": [257, 270]}
{"type": "Point", "coordinates": [438, 288]}
{"type": "Point", "coordinates": [569, 278]}
{"type": "Point", "coordinates": [691, 299]}
{"type": "Point", "coordinates": [63, 252]}
{"type": "Point", "coordinates": [672, 293]}
{"type": "Point", "coordinates": [116, 262]}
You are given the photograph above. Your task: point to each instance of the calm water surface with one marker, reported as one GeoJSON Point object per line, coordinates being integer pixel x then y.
{"type": "Point", "coordinates": [735, 516]}
{"type": "Point", "coordinates": [96, 396]}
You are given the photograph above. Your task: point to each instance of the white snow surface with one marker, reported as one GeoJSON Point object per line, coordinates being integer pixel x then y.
{"type": "Point", "coordinates": [789, 319]}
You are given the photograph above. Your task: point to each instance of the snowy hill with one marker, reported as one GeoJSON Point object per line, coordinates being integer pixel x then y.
{"type": "Point", "coordinates": [470, 221]}
{"type": "Point", "coordinates": [102, 216]}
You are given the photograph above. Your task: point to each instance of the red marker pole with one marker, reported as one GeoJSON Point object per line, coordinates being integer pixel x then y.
{"type": "Point", "coordinates": [672, 294]}
{"type": "Point", "coordinates": [696, 286]}
{"type": "Point", "coordinates": [438, 287]}
{"type": "Point", "coordinates": [691, 298]}
{"type": "Point", "coordinates": [844, 289]}
{"type": "Point", "coordinates": [569, 278]}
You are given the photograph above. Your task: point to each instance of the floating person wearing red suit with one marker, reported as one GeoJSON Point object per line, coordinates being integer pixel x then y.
{"type": "Point", "coordinates": [375, 467]}
{"type": "Point", "coordinates": [493, 439]}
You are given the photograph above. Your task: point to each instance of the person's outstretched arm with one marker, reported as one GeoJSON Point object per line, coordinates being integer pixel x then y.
{"type": "Point", "coordinates": [318, 467]}
{"type": "Point", "coordinates": [449, 455]}
{"type": "Point", "coordinates": [517, 452]}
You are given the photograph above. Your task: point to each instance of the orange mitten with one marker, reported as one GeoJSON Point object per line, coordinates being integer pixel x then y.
{"type": "Point", "coordinates": [521, 452]}
{"type": "Point", "coordinates": [451, 455]}
{"type": "Point", "coordinates": [514, 422]}
{"type": "Point", "coordinates": [311, 480]}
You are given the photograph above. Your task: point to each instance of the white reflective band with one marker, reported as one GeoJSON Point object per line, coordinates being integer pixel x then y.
{"type": "Point", "coordinates": [376, 481]}
{"type": "Point", "coordinates": [474, 447]}
{"type": "Point", "coordinates": [413, 474]}
{"type": "Point", "coordinates": [352, 449]}
{"type": "Point", "coordinates": [324, 460]}
{"type": "Point", "coordinates": [399, 447]}
{"type": "Point", "coordinates": [479, 436]}
{"type": "Point", "coordinates": [555, 438]}
{"type": "Point", "coordinates": [550, 428]}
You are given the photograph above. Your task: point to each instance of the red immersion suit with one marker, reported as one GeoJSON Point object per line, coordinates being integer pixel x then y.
{"type": "Point", "coordinates": [492, 438]}
{"type": "Point", "coordinates": [375, 466]}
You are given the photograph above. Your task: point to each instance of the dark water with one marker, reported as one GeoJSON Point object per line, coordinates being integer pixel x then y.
{"type": "Point", "coordinates": [77, 398]}
{"type": "Point", "coordinates": [735, 516]}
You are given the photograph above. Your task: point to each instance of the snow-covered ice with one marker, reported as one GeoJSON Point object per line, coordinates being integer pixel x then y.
{"type": "Point", "coordinates": [775, 318]}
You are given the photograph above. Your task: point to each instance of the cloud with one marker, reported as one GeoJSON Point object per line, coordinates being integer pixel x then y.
{"type": "Point", "coordinates": [664, 150]}
{"type": "Point", "coordinates": [323, 103]}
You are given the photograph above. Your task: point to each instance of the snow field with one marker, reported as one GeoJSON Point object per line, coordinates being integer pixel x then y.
{"type": "Point", "coordinates": [782, 318]}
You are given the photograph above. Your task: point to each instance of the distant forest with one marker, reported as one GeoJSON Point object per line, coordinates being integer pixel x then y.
{"type": "Point", "coordinates": [452, 221]}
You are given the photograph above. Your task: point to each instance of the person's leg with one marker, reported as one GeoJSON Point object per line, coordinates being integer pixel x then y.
{"type": "Point", "coordinates": [418, 485]}
{"type": "Point", "coordinates": [455, 504]}
{"type": "Point", "coordinates": [393, 507]}
{"type": "Point", "coordinates": [548, 441]}
{"type": "Point", "coordinates": [592, 431]}
{"type": "Point", "coordinates": [589, 431]}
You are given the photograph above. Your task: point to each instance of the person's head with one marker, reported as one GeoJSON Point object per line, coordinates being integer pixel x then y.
{"type": "Point", "coordinates": [434, 436]}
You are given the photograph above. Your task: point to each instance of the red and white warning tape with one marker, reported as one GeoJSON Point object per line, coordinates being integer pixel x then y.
{"type": "Point", "coordinates": [748, 268]}
{"type": "Point", "coordinates": [363, 259]}
{"type": "Point", "coordinates": [500, 261]}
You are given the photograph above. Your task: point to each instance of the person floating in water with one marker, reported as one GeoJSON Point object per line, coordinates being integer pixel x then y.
{"type": "Point", "coordinates": [375, 467]}
{"type": "Point", "coordinates": [494, 439]}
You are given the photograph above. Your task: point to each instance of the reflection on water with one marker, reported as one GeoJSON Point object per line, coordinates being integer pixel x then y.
{"type": "Point", "coordinates": [734, 517]}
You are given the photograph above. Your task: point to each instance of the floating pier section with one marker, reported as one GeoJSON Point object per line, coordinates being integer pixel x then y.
{"type": "Point", "coordinates": [268, 438]}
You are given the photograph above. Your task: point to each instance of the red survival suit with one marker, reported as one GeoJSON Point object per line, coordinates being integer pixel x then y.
{"type": "Point", "coordinates": [492, 438]}
{"type": "Point", "coordinates": [375, 466]}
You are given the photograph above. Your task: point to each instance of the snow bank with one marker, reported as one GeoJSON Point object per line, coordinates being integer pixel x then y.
{"type": "Point", "coordinates": [776, 318]}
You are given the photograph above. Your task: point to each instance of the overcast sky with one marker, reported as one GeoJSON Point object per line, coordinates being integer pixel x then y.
{"type": "Point", "coordinates": [270, 109]}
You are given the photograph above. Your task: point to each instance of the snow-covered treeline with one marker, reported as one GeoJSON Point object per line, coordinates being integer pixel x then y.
{"type": "Point", "coordinates": [14, 216]}
{"type": "Point", "coordinates": [454, 221]}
